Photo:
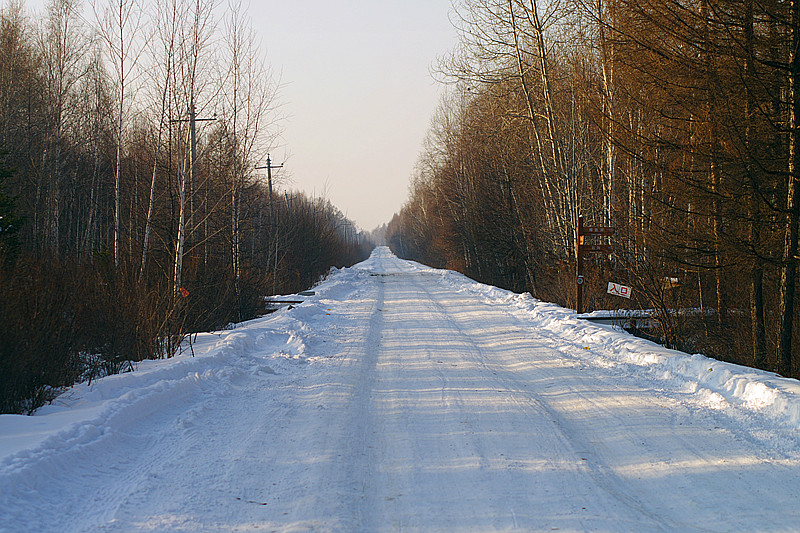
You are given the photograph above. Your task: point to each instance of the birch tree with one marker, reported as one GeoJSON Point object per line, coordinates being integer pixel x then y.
{"type": "Point", "coordinates": [506, 40]}
{"type": "Point", "coordinates": [250, 105]}
{"type": "Point", "coordinates": [191, 64]}
{"type": "Point", "coordinates": [161, 51]}
{"type": "Point", "coordinates": [62, 46]}
{"type": "Point", "coordinates": [788, 283]}
{"type": "Point", "coordinates": [120, 22]}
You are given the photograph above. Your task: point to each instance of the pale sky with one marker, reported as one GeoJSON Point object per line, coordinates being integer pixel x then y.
{"type": "Point", "coordinates": [356, 92]}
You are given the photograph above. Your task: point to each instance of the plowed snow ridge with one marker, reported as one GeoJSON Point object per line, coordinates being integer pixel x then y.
{"type": "Point", "coordinates": [404, 398]}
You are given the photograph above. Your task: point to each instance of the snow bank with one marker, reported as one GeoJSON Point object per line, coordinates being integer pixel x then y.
{"type": "Point", "coordinates": [278, 343]}
{"type": "Point", "coordinates": [210, 365]}
{"type": "Point", "coordinates": [717, 383]}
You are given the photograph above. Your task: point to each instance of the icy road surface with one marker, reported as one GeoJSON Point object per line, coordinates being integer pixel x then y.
{"type": "Point", "coordinates": [402, 398]}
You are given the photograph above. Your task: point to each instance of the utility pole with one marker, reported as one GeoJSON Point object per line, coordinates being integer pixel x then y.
{"type": "Point", "coordinates": [182, 193]}
{"type": "Point", "coordinates": [272, 222]}
{"type": "Point", "coordinates": [193, 161]}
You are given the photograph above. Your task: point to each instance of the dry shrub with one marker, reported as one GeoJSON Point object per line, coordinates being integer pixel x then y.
{"type": "Point", "coordinates": [63, 322]}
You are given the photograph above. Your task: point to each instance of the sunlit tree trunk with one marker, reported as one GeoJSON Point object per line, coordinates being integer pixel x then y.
{"type": "Point", "coordinates": [792, 220]}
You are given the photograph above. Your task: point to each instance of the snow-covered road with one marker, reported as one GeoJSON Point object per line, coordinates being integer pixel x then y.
{"type": "Point", "coordinates": [403, 398]}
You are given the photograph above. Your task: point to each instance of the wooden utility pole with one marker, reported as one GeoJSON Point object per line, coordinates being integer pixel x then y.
{"type": "Point", "coordinates": [579, 267]}
{"type": "Point", "coordinates": [193, 162]}
{"type": "Point", "coordinates": [179, 245]}
{"type": "Point", "coordinates": [272, 222]}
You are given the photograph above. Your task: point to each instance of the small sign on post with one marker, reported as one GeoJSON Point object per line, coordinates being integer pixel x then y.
{"type": "Point", "coordinates": [598, 230]}
{"type": "Point", "coordinates": [619, 290]}
{"type": "Point", "coordinates": [597, 248]}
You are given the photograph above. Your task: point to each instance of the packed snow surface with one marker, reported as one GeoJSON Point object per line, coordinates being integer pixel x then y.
{"type": "Point", "coordinates": [403, 398]}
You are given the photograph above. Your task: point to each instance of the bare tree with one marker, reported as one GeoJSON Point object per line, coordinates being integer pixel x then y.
{"type": "Point", "coordinates": [62, 46]}
{"type": "Point", "coordinates": [250, 108]}
{"type": "Point", "coordinates": [788, 286]}
{"type": "Point", "coordinates": [505, 40]}
{"type": "Point", "coordinates": [190, 66]}
{"type": "Point", "coordinates": [163, 42]}
{"type": "Point", "coordinates": [119, 22]}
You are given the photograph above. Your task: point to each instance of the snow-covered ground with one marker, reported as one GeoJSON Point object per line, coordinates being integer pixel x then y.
{"type": "Point", "coordinates": [403, 398]}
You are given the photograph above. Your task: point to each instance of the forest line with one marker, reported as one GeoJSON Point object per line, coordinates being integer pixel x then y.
{"type": "Point", "coordinates": [135, 202]}
{"type": "Point", "coordinates": [674, 122]}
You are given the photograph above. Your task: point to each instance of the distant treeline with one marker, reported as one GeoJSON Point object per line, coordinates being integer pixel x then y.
{"type": "Point", "coordinates": [674, 122]}
{"type": "Point", "coordinates": [132, 211]}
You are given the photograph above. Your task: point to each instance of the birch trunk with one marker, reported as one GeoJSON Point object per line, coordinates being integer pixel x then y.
{"type": "Point", "coordinates": [546, 185]}
{"type": "Point", "coordinates": [607, 61]}
{"type": "Point", "coordinates": [169, 50]}
{"type": "Point", "coordinates": [181, 237]}
{"type": "Point", "coordinates": [757, 321]}
{"type": "Point", "coordinates": [789, 270]}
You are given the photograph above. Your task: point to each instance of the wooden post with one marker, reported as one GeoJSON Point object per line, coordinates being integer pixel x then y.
{"type": "Point", "coordinates": [272, 222]}
{"type": "Point", "coordinates": [582, 248]}
{"type": "Point", "coordinates": [579, 267]}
